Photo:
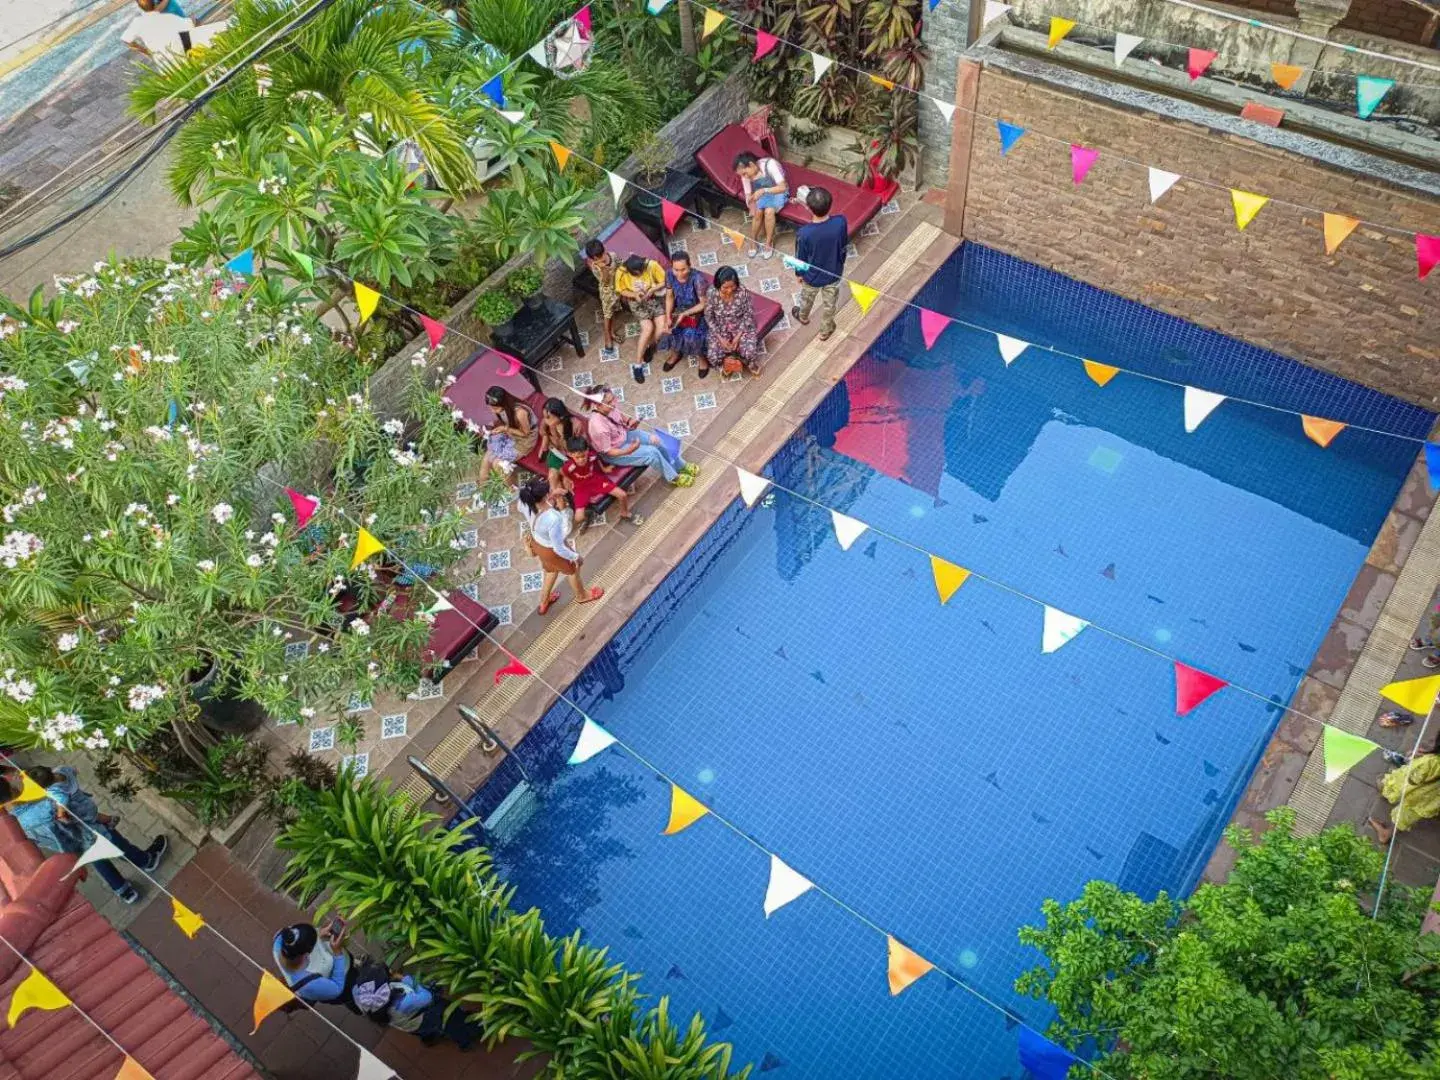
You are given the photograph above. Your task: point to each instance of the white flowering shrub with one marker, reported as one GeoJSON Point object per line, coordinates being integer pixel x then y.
{"type": "Point", "coordinates": [150, 418]}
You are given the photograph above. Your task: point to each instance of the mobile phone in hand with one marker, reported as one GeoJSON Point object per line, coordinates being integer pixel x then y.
{"type": "Point", "coordinates": [336, 927]}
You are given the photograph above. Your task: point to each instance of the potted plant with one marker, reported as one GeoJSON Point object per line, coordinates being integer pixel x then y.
{"type": "Point", "coordinates": [495, 309]}
{"type": "Point", "coordinates": [652, 156]}
{"type": "Point", "coordinates": [524, 285]}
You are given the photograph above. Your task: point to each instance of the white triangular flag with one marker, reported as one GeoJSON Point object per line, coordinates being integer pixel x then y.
{"type": "Point", "coordinates": [617, 188]}
{"type": "Point", "coordinates": [847, 529]}
{"type": "Point", "coordinates": [538, 54]}
{"type": "Point", "coordinates": [1011, 347]}
{"type": "Point", "coordinates": [1125, 45]}
{"type": "Point", "coordinates": [593, 739]}
{"type": "Point", "coordinates": [1059, 628]}
{"type": "Point", "coordinates": [947, 109]}
{"type": "Point", "coordinates": [1161, 182]}
{"type": "Point", "coordinates": [993, 10]}
{"type": "Point", "coordinates": [513, 115]}
{"type": "Point", "coordinates": [102, 848]}
{"type": "Point", "coordinates": [442, 603]}
{"type": "Point", "coordinates": [1198, 405]}
{"type": "Point", "coordinates": [372, 1068]}
{"type": "Point", "coordinates": [821, 64]}
{"type": "Point", "coordinates": [751, 486]}
{"type": "Point", "coordinates": [785, 885]}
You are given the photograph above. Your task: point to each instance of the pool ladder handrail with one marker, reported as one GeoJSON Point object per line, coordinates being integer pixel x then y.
{"type": "Point", "coordinates": [489, 738]}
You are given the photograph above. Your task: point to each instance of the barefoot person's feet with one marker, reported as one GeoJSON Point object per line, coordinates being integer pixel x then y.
{"type": "Point", "coordinates": [1383, 832]}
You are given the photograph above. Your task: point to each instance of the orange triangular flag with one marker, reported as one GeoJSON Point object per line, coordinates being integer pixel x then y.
{"type": "Point", "coordinates": [905, 966]}
{"type": "Point", "coordinates": [185, 919]}
{"type": "Point", "coordinates": [272, 995]}
{"type": "Point", "coordinates": [885, 83]}
{"type": "Point", "coordinates": [1322, 431]}
{"type": "Point", "coordinates": [562, 154]}
{"type": "Point", "coordinates": [685, 810]}
{"type": "Point", "coordinates": [736, 238]}
{"type": "Point", "coordinates": [1337, 228]}
{"type": "Point", "coordinates": [1286, 74]}
{"type": "Point", "coordinates": [133, 1070]}
{"type": "Point", "coordinates": [1100, 373]}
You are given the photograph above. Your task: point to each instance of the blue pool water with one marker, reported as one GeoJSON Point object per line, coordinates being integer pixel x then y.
{"type": "Point", "coordinates": [928, 765]}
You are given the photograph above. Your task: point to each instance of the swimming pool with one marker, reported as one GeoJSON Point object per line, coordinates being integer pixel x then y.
{"type": "Point", "coordinates": [927, 764]}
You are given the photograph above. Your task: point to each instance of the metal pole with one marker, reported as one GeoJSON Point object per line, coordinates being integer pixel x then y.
{"type": "Point", "coordinates": [486, 732]}
{"type": "Point", "coordinates": [441, 790]}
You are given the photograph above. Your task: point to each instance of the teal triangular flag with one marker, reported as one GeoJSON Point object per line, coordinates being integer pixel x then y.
{"type": "Point", "coordinates": [657, 6]}
{"type": "Point", "coordinates": [1432, 464]}
{"type": "Point", "coordinates": [494, 89]}
{"type": "Point", "coordinates": [1009, 135]}
{"type": "Point", "coordinates": [244, 263]}
{"type": "Point", "coordinates": [1368, 92]}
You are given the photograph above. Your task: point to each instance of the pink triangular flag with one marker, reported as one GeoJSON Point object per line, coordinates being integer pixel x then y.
{"type": "Point", "coordinates": [764, 42]}
{"type": "Point", "coordinates": [514, 667]}
{"type": "Point", "coordinates": [1081, 158]}
{"type": "Point", "coordinates": [932, 325]}
{"type": "Point", "coordinates": [1192, 686]}
{"type": "Point", "coordinates": [305, 506]}
{"type": "Point", "coordinates": [582, 19]}
{"type": "Point", "coordinates": [671, 213]}
{"type": "Point", "coordinates": [1427, 253]}
{"type": "Point", "coordinates": [512, 366]}
{"type": "Point", "coordinates": [435, 330]}
{"type": "Point", "coordinates": [1198, 61]}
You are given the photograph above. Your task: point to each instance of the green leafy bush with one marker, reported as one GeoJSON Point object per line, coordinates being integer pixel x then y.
{"type": "Point", "coordinates": [525, 282]}
{"type": "Point", "coordinates": [494, 308]}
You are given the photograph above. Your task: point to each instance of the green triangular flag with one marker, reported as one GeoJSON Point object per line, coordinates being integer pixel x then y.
{"type": "Point", "coordinates": [305, 263]}
{"type": "Point", "coordinates": [1343, 750]}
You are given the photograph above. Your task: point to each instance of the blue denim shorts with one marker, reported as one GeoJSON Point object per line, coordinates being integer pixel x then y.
{"type": "Point", "coordinates": [772, 201]}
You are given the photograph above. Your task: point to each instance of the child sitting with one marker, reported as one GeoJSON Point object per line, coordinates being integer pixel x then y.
{"type": "Point", "coordinates": [587, 479]}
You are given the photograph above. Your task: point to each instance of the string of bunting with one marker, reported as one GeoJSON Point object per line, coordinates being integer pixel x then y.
{"type": "Point", "coordinates": [38, 992]}
{"type": "Point", "coordinates": [1245, 204]}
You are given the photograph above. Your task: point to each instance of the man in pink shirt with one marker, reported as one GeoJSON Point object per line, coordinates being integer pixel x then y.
{"type": "Point", "coordinates": [619, 441]}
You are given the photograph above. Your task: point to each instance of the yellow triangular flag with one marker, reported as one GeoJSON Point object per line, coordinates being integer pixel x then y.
{"type": "Point", "coordinates": [948, 577]}
{"type": "Point", "coordinates": [365, 300]}
{"type": "Point", "coordinates": [562, 154]}
{"type": "Point", "coordinates": [34, 992]}
{"type": "Point", "coordinates": [30, 791]}
{"type": "Point", "coordinates": [1286, 74]}
{"type": "Point", "coordinates": [885, 84]}
{"type": "Point", "coordinates": [273, 994]}
{"type": "Point", "coordinates": [131, 1069]}
{"type": "Point", "coordinates": [365, 546]}
{"type": "Point", "coordinates": [905, 966]}
{"type": "Point", "coordinates": [1322, 431]}
{"type": "Point", "coordinates": [1337, 228]}
{"type": "Point", "coordinates": [1100, 373]}
{"type": "Point", "coordinates": [1247, 205]}
{"type": "Point", "coordinates": [713, 19]}
{"type": "Point", "coordinates": [685, 810]}
{"type": "Point", "coordinates": [736, 238]}
{"type": "Point", "coordinates": [187, 920]}
{"type": "Point", "coordinates": [864, 295]}
{"type": "Point", "coordinates": [1058, 29]}
{"type": "Point", "coordinates": [1413, 695]}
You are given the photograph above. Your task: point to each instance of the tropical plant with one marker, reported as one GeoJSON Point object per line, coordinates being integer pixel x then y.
{"type": "Point", "coordinates": [349, 732]}
{"type": "Point", "coordinates": [363, 62]}
{"type": "Point", "coordinates": [536, 219]}
{"type": "Point", "coordinates": [150, 417]}
{"type": "Point", "coordinates": [229, 775]}
{"type": "Point", "coordinates": [431, 897]}
{"type": "Point", "coordinates": [1282, 971]}
{"type": "Point", "coordinates": [524, 282]}
{"type": "Point", "coordinates": [494, 308]}
{"type": "Point", "coordinates": [653, 155]}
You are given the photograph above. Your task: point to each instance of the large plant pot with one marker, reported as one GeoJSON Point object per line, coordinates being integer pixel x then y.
{"type": "Point", "coordinates": [535, 302]}
{"type": "Point", "coordinates": [220, 713]}
{"type": "Point", "coordinates": [645, 198]}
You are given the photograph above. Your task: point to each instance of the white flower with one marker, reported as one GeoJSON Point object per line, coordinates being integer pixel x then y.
{"type": "Point", "coordinates": [222, 512]}
{"type": "Point", "coordinates": [360, 627]}
{"type": "Point", "coordinates": [172, 499]}
{"type": "Point", "coordinates": [307, 713]}
{"type": "Point", "coordinates": [66, 325]}
{"type": "Point", "coordinates": [393, 427]}
{"type": "Point", "coordinates": [21, 690]}
{"type": "Point", "coordinates": [19, 547]}
{"type": "Point", "coordinates": [205, 565]}
{"type": "Point", "coordinates": [278, 519]}
{"type": "Point", "coordinates": [141, 697]}
{"type": "Point", "coordinates": [324, 646]}
{"type": "Point", "coordinates": [66, 642]}
{"type": "Point", "coordinates": [254, 561]}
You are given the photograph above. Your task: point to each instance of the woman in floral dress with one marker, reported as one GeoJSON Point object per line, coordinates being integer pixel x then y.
{"type": "Point", "coordinates": [730, 319]}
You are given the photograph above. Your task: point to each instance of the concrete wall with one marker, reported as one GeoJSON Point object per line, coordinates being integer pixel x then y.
{"type": "Point", "coordinates": [946, 34]}
{"type": "Point", "coordinates": [1362, 313]}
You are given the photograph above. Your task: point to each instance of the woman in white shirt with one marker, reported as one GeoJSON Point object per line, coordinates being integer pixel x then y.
{"type": "Point", "coordinates": [551, 517]}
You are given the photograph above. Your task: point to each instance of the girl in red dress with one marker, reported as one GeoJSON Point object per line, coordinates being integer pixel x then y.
{"type": "Point", "coordinates": [587, 478]}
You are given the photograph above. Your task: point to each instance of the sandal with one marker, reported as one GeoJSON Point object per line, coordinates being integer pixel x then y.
{"type": "Point", "coordinates": [683, 480]}
{"type": "Point", "coordinates": [595, 593]}
{"type": "Point", "coordinates": [691, 469]}
{"type": "Point", "coordinates": [669, 365]}
{"type": "Point", "coordinates": [547, 604]}
{"type": "Point", "coordinates": [1418, 643]}
{"type": "Point", "coordinates": [754, 370]}
{"type": "Point", "coordinates": [1394, 719]}
{"type": "Point", "coordinates": [704, 371]}
{"type": "Point", "coordinates": [634, 519]}
{"type": "Point", "coordinates": [1431, 661]}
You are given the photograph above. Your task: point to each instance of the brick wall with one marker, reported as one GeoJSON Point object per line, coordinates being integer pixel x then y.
{"type": "Point", "coordinates": [946, 33]}
{"type": "Point", "coordinates": [1397, 20]}
{"type": "Point", "coordinates": [1362, 313]}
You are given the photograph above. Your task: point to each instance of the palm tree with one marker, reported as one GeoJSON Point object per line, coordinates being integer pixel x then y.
{"type": "Point", "coordinates": [365, 60]}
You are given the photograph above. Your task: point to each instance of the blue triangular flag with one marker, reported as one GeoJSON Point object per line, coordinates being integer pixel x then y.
{"type": "Point", "coordinates": [173, 415]}
{"type": "Point", "coordinates": [1009, 135]}
{"type": "Point", "coordinates": [244, 263]}
{"type": "Point", "coordinates": [1043, 1058]}
{"type": "Point", "coordinates": [669, 442]}
{"type": "Point", "coordinates": [494, 89]}
{"type": "Point", "coordinates": [1368, 92]}
{"type": "Point", "coordinates": [1432, 464]}
{"type": "Point", "coordinates": [934, 4]}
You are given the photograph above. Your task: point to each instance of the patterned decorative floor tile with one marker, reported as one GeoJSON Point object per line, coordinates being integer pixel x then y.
{"type": "Point", "coordinates": [394, 726]}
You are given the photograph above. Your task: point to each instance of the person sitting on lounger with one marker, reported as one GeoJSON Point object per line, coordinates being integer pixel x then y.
{"type": "Point", "coordinates": [766, 193]}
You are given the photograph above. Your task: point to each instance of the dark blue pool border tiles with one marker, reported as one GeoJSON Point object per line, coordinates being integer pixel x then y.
{"type": "Point", "coordinates": [986, 285]}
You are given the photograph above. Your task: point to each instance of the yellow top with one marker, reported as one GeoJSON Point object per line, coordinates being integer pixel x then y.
{"type": "Point", "coordinates": [651, 277]}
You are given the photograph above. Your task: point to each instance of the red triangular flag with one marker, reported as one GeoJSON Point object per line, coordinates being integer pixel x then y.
{"type": "Point", "coordinates": [1198, 61]}
{"type": "Point", "coordinates": [1427, 253]}
{"type": "Point", "coordinates": [305, 506]}
{"type": "Point", "coordinates": [435, 329]}
{"type": "Point", "coordinates": [512, 366]}
{"type": "Point", "coordinates": [514, 667]}
{"type": "Point", "coordinates": [1192, 686]}
{"type": "Point", "coordinates": [671, 213]}
{"type": "Point", "coordinates": [582, 17]}
{"type": "Point", "coordinates": [764, 43]}
{"type": "Point", "coordinates": [932, 325]}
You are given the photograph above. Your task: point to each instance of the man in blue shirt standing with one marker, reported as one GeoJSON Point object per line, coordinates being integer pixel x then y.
{"type": "Point", "coordinates": [820, 246]}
